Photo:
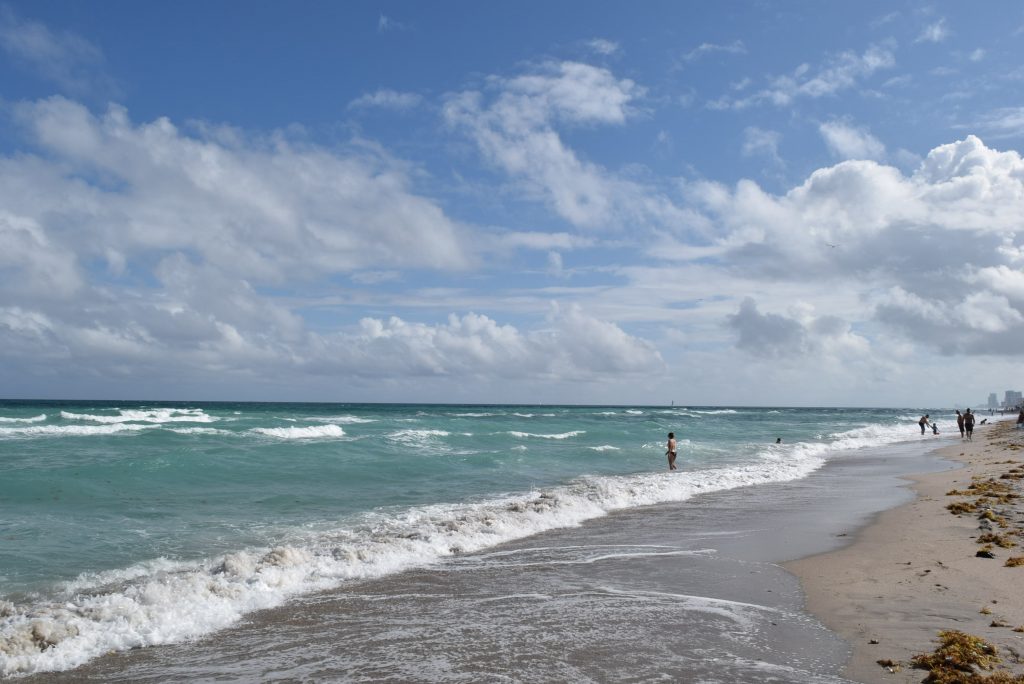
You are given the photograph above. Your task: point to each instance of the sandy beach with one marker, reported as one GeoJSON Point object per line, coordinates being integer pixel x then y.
{"type": "Point", "coordinates": [916, 570]}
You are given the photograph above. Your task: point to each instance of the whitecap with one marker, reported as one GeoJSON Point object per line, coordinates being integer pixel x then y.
{"type": "Point", "coordinates": [158, 415]}
{"type": "Point", "coordinates": [563, 435]}
{"type": "Point", "coordinates": [71, 430]}
{"type": "Point", "coordinates": [34, 419]}
{"type": "Point", "coordinates": [310, 432]}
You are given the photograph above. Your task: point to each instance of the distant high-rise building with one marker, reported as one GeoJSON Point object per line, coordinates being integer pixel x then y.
{"type": "Point", "coordinates": [1013, 399]}
{"type": "Point", "coordinates": [993, 402]}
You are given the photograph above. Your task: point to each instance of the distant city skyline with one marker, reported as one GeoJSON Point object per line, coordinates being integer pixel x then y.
{"type": "Point", "coordinates": [746, 203]}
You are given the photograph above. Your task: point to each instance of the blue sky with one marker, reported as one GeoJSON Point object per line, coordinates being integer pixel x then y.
{"type": "Point", "coordinates": [773, 203]}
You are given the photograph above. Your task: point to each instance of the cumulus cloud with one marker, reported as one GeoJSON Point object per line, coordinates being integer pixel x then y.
{"type": "Point", "coordinates": [575, 347]}
{"type": "Point", "coordinates": [935, 255]}
{"type": "Point", "coordinates": [776, 336]}
{"type": "Point", "coordinates": [255, 209]}
{"type": "Point", "coordinates": [767, 335]}
{"type": "Point", "coordinates": [247, 332]}
{"type": "Point", "coordinates": [851, 142]}
{"type": "Point", "coordinates": [387, 99]}
{"type": "Point", "coordinates": [139, 250]}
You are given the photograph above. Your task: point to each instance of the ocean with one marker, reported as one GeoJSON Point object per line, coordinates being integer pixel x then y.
{"type": "Point", "coordinates": [126, 525]}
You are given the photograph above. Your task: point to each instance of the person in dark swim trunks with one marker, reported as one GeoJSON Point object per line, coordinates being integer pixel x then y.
{"type": "Point", "coordinates": [923, 422]}
{"type": "Point", "coordinates": [671, 452]}
{"type": "Point", "coordinates": [969, 425]}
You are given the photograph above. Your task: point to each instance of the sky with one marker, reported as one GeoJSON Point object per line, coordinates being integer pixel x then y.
{"type": "Point", "coordinates": [734, 203]}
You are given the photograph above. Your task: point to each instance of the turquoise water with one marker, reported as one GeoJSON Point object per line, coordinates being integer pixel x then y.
{"type": "Point", "coordinates": [125, 519]}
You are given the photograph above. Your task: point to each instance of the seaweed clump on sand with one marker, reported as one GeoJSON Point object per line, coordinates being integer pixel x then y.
{"type": "Point", "coordinates": [990, 500]}
{"type": "Point", "coordinates": [958, 659]}
{"type": "Point", "coordinates": [1000, 540]}
{"type": "Point", "coordinates": [1014, 562]}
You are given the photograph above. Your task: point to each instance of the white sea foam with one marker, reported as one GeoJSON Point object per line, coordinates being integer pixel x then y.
{"type": "Point", "coordinates": [420, 439]}
{"type": "Point", "coordinates": [341, 420]}
{"type": "Point", "coordinates": [604, 447]}
{"type": "Point", "coordinates": [634, 412]}
{"type": "Point", "coordinates": [310, 432]}
{"type": "Point", "coordinates": [165, 602]}
{"type": "Point", "coordinates": [34, 419]}
{"type": "Point", "coordinates": [563, 435]}
{"type": "Point", "coordinates": [199, 431]}
{"type": "Point", "coordinates": [474, 415]}
{"type": "Point", "coordinates": [71, 430]}
{"type": "Point", "coordinates": [158, 415]}
{"type": "Point", "coordinates": [880, 435]}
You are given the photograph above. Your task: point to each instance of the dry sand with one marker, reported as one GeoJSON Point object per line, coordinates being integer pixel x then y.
{"type": "Point", "coordinates": [914, 570]}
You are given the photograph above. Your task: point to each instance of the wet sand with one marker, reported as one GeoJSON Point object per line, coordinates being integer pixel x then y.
{"type": "Point", "coordinates": [914, 570]}
{"type": "Point", "coordinates": [683, 592]}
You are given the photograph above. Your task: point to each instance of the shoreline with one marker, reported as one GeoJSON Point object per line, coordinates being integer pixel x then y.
{"type": "Point", "coordinates": [706, 571]}
{"type": "Point", "coordinates": [913, 570]}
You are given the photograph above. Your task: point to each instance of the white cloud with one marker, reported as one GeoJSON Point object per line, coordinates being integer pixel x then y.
{"type": "Point", "coordinates": [137, 250]}
{"type": "Point", "coordinates": [977, 55]}
{"type": "Point", "coordinates": [1005, 122]}
{"type": "Point", "coordinates": [259, 210]}
{"type": "Point", "coordinates": [736, 47]}
{"type": "Point", "coordinates": [516, 131]}
{"type": "Point", "coordinates": [386, 24]}
{"type": "Point", "coordinates": [32, 265]}
{"type": "Point", "coordinates": [935, 32]}
{"type": "Point", "coordinates": [603, 46]}
{"type": "Point", "coordinates": [574, 346]}
{"type": "Point", "coordinates": [387, 99]}
{"type": "Point", "coordinates": [933, 255]}
{"type": "Point", "coordinates": [555, 265]}
{"type": "Point", "coordinates": [543, 241]}
{"type": "Point", "coordinates": [850, 142]}
{"type": "Point", "coordinates": [757, 141]}
{"type": "Point", "coordinates": [67, 59]}
{"type": "Point", "coordinates": [767, 335]}
{"type": "Point", "coordinates": [840, 72]}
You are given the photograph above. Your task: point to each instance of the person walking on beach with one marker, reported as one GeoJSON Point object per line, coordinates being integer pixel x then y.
{"type": "Point", "coordinates": [960, 422]}
{"type": "Point", "coordinates": [671, 452]}
{"type": "Point", "coordinates": [969, 425]}
{"type": "Point", "coordinates": [923, 422]}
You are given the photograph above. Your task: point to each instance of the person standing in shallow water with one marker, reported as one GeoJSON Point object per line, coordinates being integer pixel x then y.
{"type": "Point", "coordinates": [671, 452]}
{"type": "Point", "coordinates": [960, 422]}
{"type": "Point", "coordinates": [923, 422]}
